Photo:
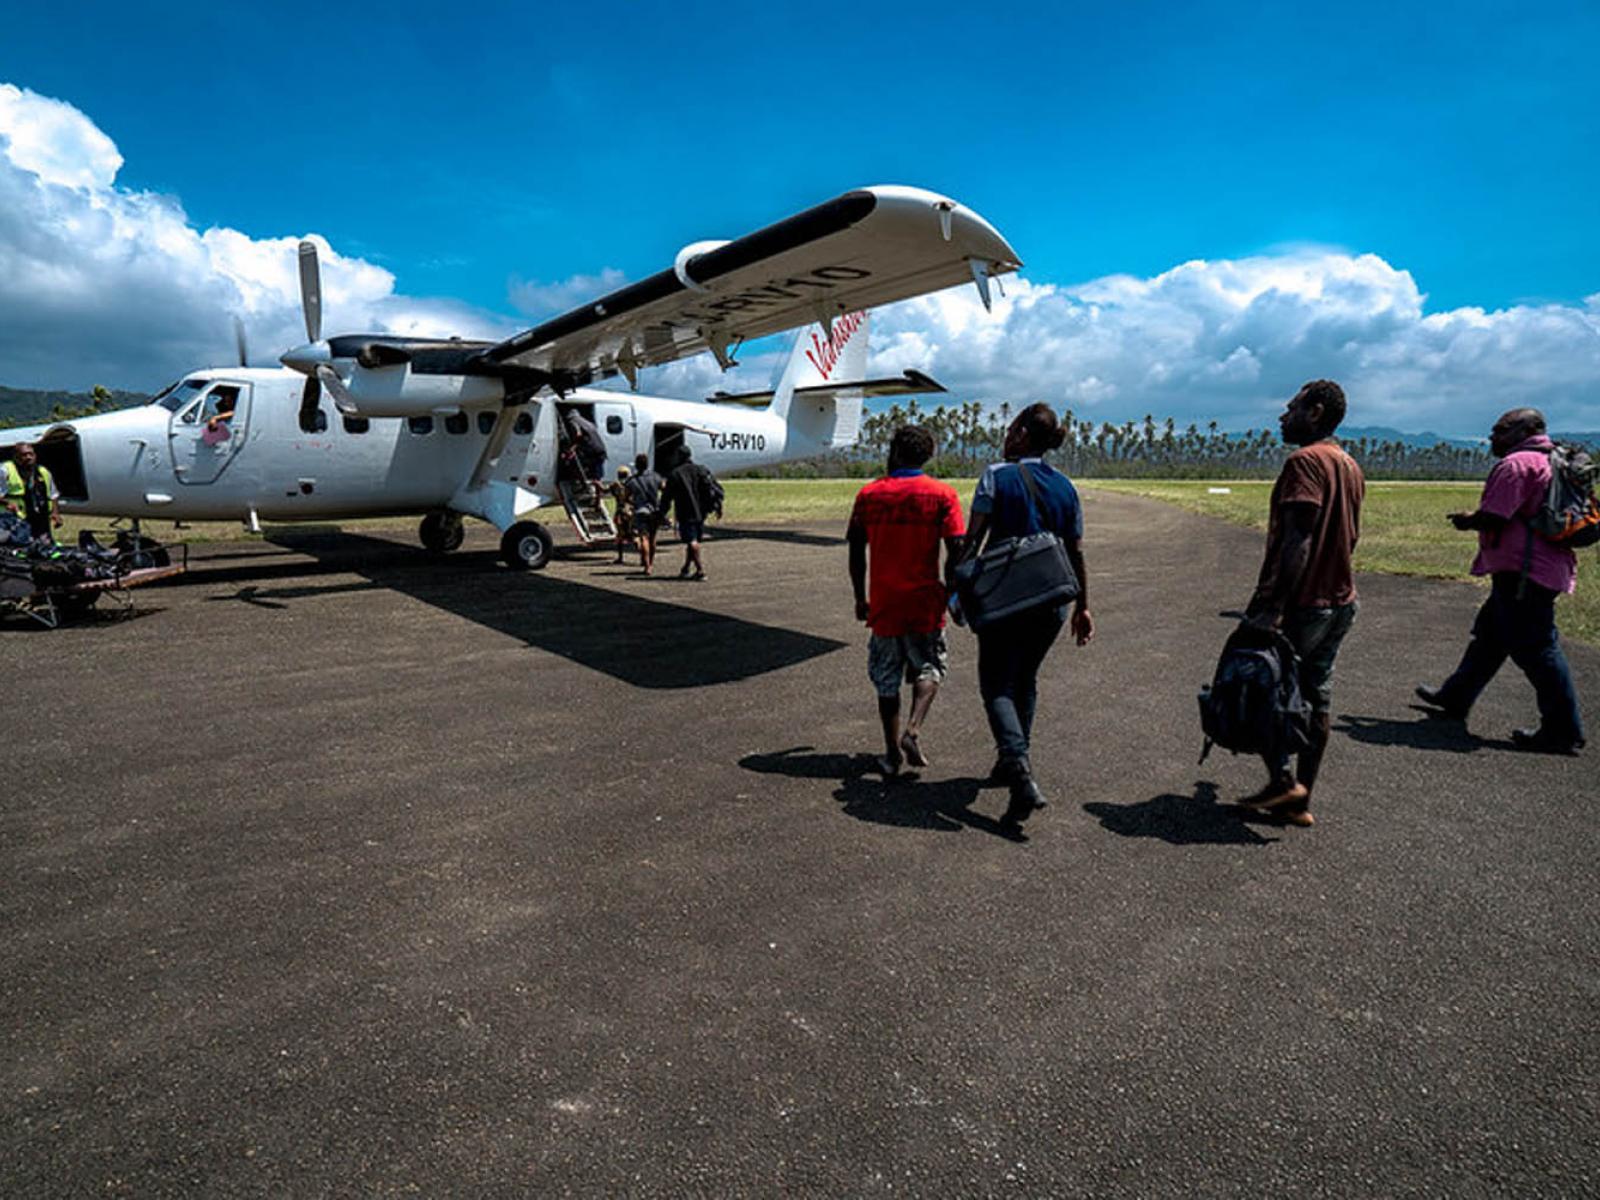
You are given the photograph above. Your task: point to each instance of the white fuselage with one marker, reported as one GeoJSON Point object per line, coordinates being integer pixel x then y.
{"type": "Point", "coordinates": [158, 461]}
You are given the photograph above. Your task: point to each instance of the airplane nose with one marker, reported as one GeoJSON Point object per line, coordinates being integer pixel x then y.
{"type": "Point", "coordinates": [307, 358]}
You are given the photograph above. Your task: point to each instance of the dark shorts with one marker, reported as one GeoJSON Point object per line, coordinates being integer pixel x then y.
{"type": "Point", "coordinates": [1317, 634]}
{"type": "Point", "coordinates": [690, 531]}
{"type": "Point", "coordinates": [908, 656]}
{"type": "Point", "coordinates": [644, 523]}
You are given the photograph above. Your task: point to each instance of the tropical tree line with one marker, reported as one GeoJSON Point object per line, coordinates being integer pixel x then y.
{"type": "Point", "coordinates": [99, 400]}
{"type": "Point", "coordinates": [968, 437]}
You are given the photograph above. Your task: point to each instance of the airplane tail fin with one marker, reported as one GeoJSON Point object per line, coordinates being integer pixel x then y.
{"type": "Point", "coordinates": [820, 368]}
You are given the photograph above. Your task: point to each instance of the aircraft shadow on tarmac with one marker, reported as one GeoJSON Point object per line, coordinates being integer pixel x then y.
{"type": "Point", "coordinates": [1197, 820]}
{"type": "Point", "coordinates": [907, 801]}
{"type": "Point", "coordinates": [786, 537]}
{"type": "Point", "coordinates": [648, 643]}
{"type": "Point", "coordinates": [1432, 732]}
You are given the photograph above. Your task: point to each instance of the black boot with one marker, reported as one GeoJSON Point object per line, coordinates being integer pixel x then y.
{"type": "Point", "coordinates": [1025, 797]}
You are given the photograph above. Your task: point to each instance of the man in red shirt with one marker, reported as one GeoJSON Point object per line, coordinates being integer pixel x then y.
{"type": "Point", "coordinates": [900, 520]}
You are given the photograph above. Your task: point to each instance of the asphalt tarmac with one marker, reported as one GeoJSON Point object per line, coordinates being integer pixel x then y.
{"type": "Point", "coordinates": [341, 870]}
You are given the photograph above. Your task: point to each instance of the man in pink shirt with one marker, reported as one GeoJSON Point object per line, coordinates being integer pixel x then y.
{"type": "Point", "coordinates": [1518, 620]}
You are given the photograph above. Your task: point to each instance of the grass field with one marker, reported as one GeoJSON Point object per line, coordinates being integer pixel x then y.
{"type": "Point", "coordinates": [1403, 532]}
{"type": "Point", "coordinates": [1403, 527]}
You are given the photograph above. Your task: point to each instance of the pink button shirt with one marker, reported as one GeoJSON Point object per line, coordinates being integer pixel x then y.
{"type": "Point", "coordinates": [1514, 490]}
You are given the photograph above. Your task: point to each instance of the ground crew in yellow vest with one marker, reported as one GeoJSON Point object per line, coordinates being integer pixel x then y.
{"type": "Point", "coordinates": [30, 491]}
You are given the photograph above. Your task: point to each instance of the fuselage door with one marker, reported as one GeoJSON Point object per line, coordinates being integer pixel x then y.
{"type": "Point", "coordinates": [208, 432]}
{"type": "Point", "coordinates": [615, 422]}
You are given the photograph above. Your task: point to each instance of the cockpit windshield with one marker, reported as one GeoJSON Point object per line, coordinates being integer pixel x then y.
{"type": "Point", "coordinates": [176, 395]}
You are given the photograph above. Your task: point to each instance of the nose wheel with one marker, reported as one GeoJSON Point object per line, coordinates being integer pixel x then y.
{"type": "Point", "coordinates": [441, 532]}
{"type": "Point", "coordinates": [526, 546]}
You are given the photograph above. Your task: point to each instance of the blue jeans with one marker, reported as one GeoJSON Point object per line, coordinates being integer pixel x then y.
{"type": "Point", "coordinates": [1009, 655]}
{"type": "Point", "coordinates": [1525, 632]}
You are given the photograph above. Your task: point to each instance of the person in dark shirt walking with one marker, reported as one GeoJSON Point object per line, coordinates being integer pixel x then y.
{"type": "Point", "coordinates": [644, 491]}
{"type": "Point", "coordinates": [691, 495]}
{"type": "Point", "coordinates": [1011, 651]}
{"type": "Point", "coordinates": [1307, 586]}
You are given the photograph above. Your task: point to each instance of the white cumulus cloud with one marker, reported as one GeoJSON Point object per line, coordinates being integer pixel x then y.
{"type": "Point", "coordinates": [104, 284]}
{"type": "Point", "coordinates": [536, 298]}
{"type": "Point", "coordinates": [1230, 340]}
{"type": "Point", "coordinates": [100, 283]}
{"type": "Point", "coordinates": [55, 141]}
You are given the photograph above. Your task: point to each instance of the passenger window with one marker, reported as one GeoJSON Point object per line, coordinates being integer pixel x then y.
{"type": "Point", "coordinates": [456, 423]}
{"type": "Point", "coordinates": [486, 423]}
{"type": "Point", "coordinates": [613, 424]}
{"type": "Point", "coordinates": [356, 424]}
{"type": "Point", "coordinates": [421, 426]}
{"type": "Point", "coordinates": [524, 425]}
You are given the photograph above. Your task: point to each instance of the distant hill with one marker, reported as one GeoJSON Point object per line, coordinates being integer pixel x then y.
{"type": "Point", "coordinates": [27, 406]}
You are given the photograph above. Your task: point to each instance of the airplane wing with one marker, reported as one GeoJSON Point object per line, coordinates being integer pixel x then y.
{"type": "Point", "coordinates": [867, 247]}
{"type": "Point", "coordinates": [909, 384]}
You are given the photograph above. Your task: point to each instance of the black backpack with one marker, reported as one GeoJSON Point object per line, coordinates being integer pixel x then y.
{"type": "Point", "coordinates": [711, 493]}
{"type": "Point", "coordinates": [1253, 704]}
{"type": "Point", "coordinates": [1570, 513]}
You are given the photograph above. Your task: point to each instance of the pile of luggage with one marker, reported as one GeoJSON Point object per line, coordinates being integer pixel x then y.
{"type": "Point", "coordinates": [31, 564]}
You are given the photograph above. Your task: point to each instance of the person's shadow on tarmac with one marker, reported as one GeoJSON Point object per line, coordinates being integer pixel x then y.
{"type": "Point", "coordinates": [906, 800]}
{"type": "Point", "coordinates": [1197, 820]}
{"type": "Point", "coordinates": [1432, 732]}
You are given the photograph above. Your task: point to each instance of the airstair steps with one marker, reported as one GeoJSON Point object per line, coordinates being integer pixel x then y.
{"type": "Point", "coordinates": [590, 521]}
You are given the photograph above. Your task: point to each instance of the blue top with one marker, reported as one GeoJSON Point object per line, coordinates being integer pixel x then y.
{"type": "Point", "coordinates": [1002, 494]}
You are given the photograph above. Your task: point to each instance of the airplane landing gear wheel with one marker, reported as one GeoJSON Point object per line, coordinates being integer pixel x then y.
{"type": "Point", "coordinates": [441, 532]}
{"type": "Point", "coordinates": [526, 546]}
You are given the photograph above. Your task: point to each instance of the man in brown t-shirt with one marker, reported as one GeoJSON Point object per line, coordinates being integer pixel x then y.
{"type": "Point", "coordinates": [1307, 588]}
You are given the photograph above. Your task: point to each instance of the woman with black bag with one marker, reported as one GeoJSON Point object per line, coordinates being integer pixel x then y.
{"type": "Point", "coordinates": [1016, 593]}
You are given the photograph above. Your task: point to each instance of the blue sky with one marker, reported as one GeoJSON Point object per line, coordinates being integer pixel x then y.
{"type": "Point", "coordinates": [473, 151]}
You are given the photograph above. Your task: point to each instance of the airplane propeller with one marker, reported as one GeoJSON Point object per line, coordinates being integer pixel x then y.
{"type": "Point", "coordinates": [239, 342]}
{"type": "Point", "coordinates": [341, 397]}
{"type": "Point", "coordinates": [311, 291]}
{"type": "Point", "coordinates": [312, 358]}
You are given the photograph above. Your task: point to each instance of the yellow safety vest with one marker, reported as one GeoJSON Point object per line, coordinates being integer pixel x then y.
{"type": "Point", "coordinates": [17, 491]}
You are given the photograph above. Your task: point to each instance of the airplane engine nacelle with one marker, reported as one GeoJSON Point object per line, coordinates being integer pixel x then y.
{"type": "Point", "coordinates": [398, 391]}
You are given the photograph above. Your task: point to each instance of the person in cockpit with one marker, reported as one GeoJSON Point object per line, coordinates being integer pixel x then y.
{"type": "Point", "coordinates": [218, 423]}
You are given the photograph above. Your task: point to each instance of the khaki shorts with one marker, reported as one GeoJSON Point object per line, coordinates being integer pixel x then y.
{"type": "Point", "coordinates": [908, 657]}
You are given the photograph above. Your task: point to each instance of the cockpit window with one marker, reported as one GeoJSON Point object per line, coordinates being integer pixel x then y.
{"type": "Point", "coordinates": [176, 395]}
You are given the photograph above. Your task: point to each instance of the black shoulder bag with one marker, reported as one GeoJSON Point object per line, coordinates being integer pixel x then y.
{"type": "Point", "coordinates": [1016, 574]}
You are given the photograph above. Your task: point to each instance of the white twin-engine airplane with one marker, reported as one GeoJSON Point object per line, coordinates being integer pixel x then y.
{"type": "Point", "coordinates": [453, 428]}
